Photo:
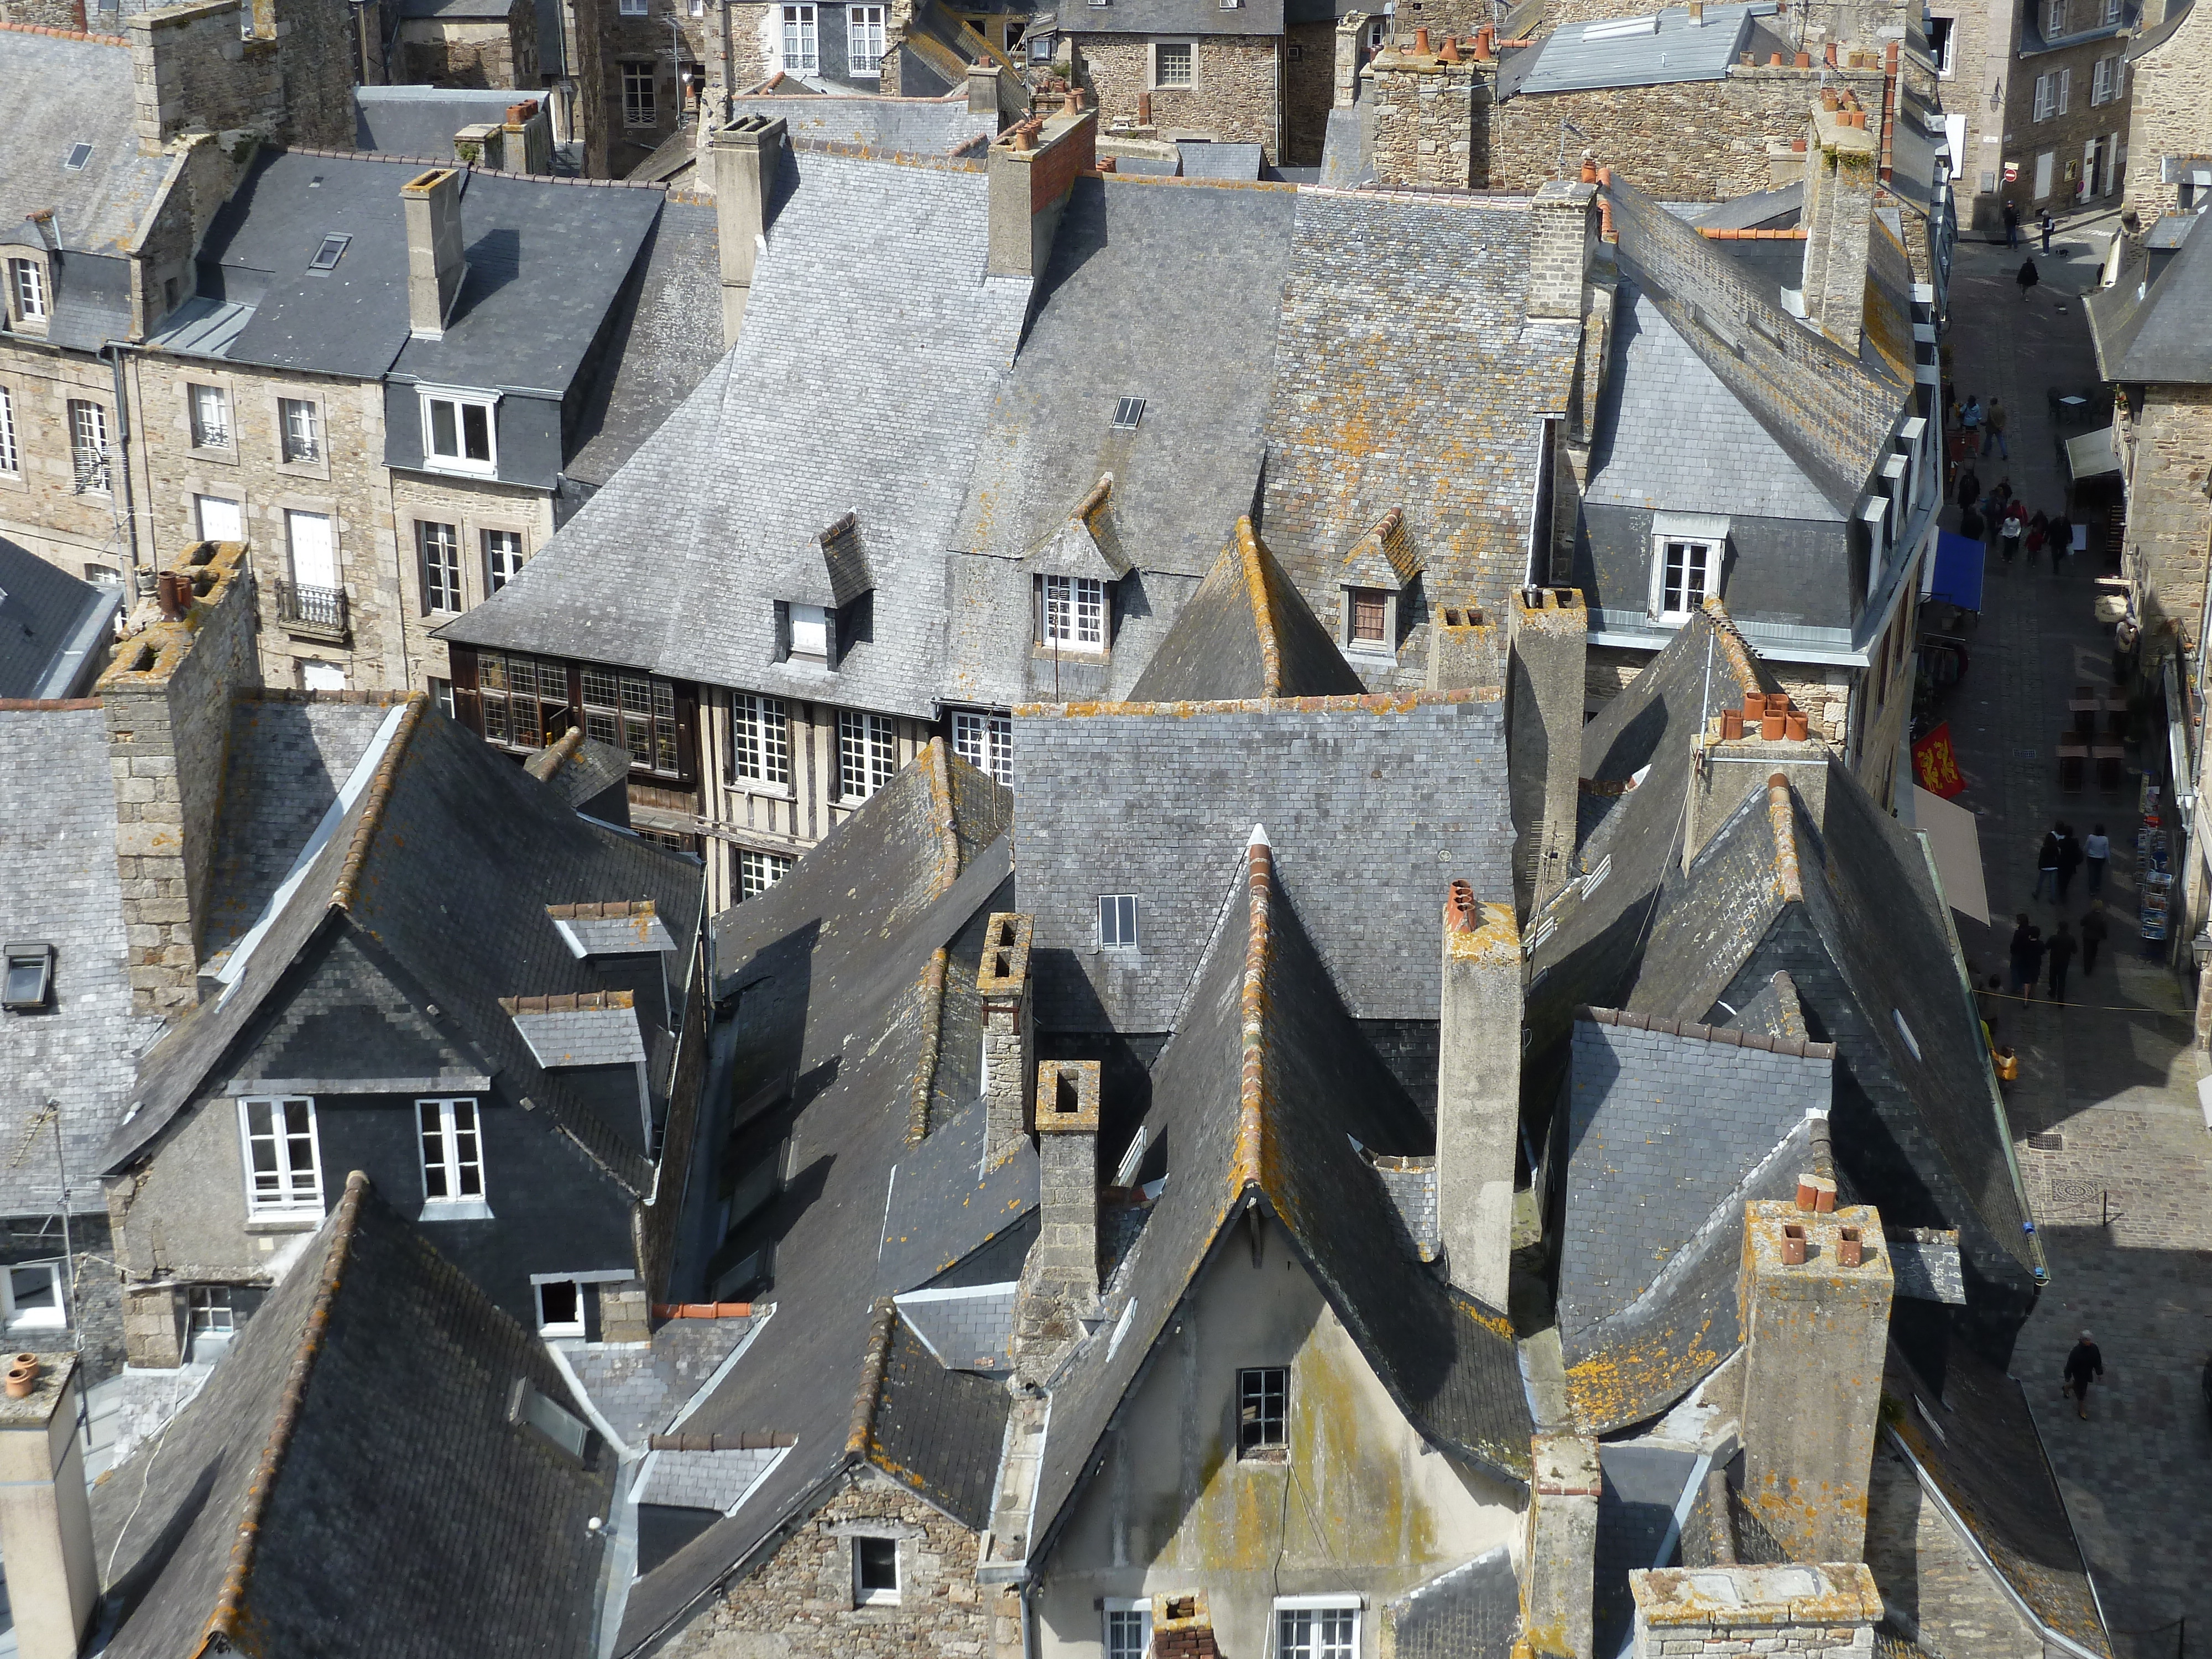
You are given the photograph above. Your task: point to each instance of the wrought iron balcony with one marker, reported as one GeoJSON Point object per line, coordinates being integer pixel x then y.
{"type": "Point", "coordinates": [317, 613]}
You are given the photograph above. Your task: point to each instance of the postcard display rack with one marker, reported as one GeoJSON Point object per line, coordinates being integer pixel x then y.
{"type": "Point", "coordinates": [2155, 865]}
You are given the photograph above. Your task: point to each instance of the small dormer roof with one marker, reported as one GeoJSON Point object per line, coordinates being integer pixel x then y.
{"type": "Point", "coordinates": [590, 1028]}
{"type": "Point", "coordinates": [35, 230]}
{"type": "Point", "coordinates": [1085, 544]}
{"type": "Point", "coordinates": [1384, 557]}
{"type": "Point", "coordinates": [831, 570]}
{"type": "Point", "coordinates": [621, 928]}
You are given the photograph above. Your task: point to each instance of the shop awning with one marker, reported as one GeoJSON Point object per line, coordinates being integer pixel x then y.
{"type": "Point", "coordinates": [1959, 570]}
{"type": "Point", "coordinates": [1955, 840]}
{"type": "Point", "coordinates": [2091, 454]}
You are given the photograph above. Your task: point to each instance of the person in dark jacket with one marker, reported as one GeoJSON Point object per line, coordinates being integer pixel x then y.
{"type": "Point", "coordinates": [2028, 277]}
{"type": "Point", "coordinates": [2047, 864]}
{"type": "Point", "coordinates": [2093, 929]}
{"type": "Point", "coordinates": [2060, 534]}
{"type": "Point", "coordinates": [2069, 859]}
{"type": "Point", "coordinates": [2081, 1364]}
{"type": "Point", "coordinates": [1970, 486]}
{"type": "Point", "coordinates": [2026, 963]}
{"type": "Point", "coordinates": [2060, 951]}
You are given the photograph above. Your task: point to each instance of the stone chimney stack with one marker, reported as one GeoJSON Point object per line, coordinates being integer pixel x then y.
{"type": "Point", "coordinates": [436, 267]}
{"type": "Point", "coordinates": [1544, 736]}
{"type": "Point", "coordinates": [1840, 165]}
{"type": "Point", "coordinates": [1823, 1612]}
{"type": "Point", "coordinates": [1740, 751]}
{"type": "Point", "coordinates": [983, 87]}
{"type": "Point", "coordinates": [1350, 38]}
{"type": "Point", "coordinates": [1478, 1091]}
{"type": "Point", "coordinates": [1032, 167]}
{"type": "Point", "coordinates": [1009, 1035]}
{"type": "Point", "coordinates": [1815, 1289]}
{"type": "Point", "coordinates": [167, 695]}
{"type": "Point", "coordinates": [1560, 1553]}
{"type": "Point", "coordinates": [1464, 649]}
{"type": "Point", "coordinates": [1563, 237]}
{"type": "Point", "coordinates": [46, 1521]}
{"type": "Point", "coordinates": [746, 153]}
{"type": "Point", "coordinates": [1060, 1280]}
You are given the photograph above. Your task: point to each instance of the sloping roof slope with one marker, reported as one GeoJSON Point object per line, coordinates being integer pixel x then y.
{"type": "Point", "coordinates": [63, 93]}
{"type": "Point", "coordinates": [2164, 334]}
{"type": "Point", "coordinates": [1247, 632]}
{"type": "Point", "coordinates": [1260, 1094]}
{"type": "Point", "coordinates": [51, 625]}
{"type": "Point", "coordinates": [847, 946]}
{"type": "Point", "coordinates": [422, 121]}
{"type": "Point", "coordinates": [891, 126]}
{"type": "Point", "coordinates": [350, 1479]}
{"type": "Point", "coordinates": [58, 846]}
{"type": "Point", "coordinates": [668, 567]}
{"type": "Point", "coordinates": [939, 1430]}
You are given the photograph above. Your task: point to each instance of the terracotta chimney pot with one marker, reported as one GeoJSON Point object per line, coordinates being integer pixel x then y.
{"type": "Point", "coordinates": [1450, 53]}
{"type": "Point", "coordinates": [1799, 727]}
{"type": "Point", "coordinates": [1421, 41]}
{"type": "Point", "coordinates": [1589, 171]}
{"type": "Point", "coordinates": [1731, 725]}
{"type": "Point", "coordinates": [1804, 60]}
{"type": "Point", "coordinates": [1774, 60]}
{"type": "Point", "coordinates": [1831, 54]}
{"type": "Point", "coordinates": [1793, 1246]}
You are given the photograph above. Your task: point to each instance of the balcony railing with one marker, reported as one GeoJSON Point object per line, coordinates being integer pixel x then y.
{"type": "Point", "coordinates": [317, 612]}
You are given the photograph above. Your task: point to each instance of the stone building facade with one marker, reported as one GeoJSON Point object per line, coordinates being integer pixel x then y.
{"type": "Point", "coordinates": [646, 93]}
{"type": "Point", "coordinates": [2169, 114]}
{"type": "Point", "coordinates": [472, 46]}
{"type": "Point", "coordinates": [801, 1602]}
{"type": "Point", "coordinates": [1235, 94]}
{"type": "Point", "coordinates": [2163, 434]}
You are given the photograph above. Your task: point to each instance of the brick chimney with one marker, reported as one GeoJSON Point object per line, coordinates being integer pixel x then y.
{"type": "Point", "coordinates": [1815, 1290]}
{"type": "Point", "coordinates": [1002, 979]}
{"type": "Point", "coordinates": [1182, 1627]}
{"type": "Point", "coordinates": [1840, 164]}
{"type": "Point", "coordinates": [435, 266]}
{"type": "Point", "coordinates": [1478, 1091]}
{"type": "Point", "coordinates": [166, 696]}
{"type": "Point", "coordinates": [1031, 167]}
{"type": "Point", "coordinates": [745, 153]}
{"type": "Point", "coordinates": [46, 1521]}
{"type": "Point", "coordinates": [1060, 1280]}
{"type": "Point", "coordinates": [1564, 224]}
{"type": "Point", "coordinates": [1740, 752]}
{"type": "Point", "coordinates": [1559, 1554]}
{"type": "Point", "coordinates": [1549, 648]}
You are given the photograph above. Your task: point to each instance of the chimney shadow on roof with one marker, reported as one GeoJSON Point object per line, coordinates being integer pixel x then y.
{"type": "Point", "coordinates": [1081, 237]}
{"type": "Point", "coordinates": [125, 1595]}
{"type": "Point", "coordinates": [495, 259]}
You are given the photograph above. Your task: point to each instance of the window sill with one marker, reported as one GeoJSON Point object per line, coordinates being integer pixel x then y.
{"type": "Point", "coordinates": [763, 791]}
{"type": "Point", "coordinates": [1273, 1456]}
{"type": "Point", "coordinates": [1065, 652]}
{"type": "Point", "coordinates": [456, 1209]}
{"type": "Point", "coordinates": [450, 469]}
{"type": "Point", "coordinates": [226, 455]}
{"type": "Point", "coordinates": [317, 470]}
{"type": "Point", "coordinates": [284, 1221]}
{"type": "Point", "coordinates": [1375, 648]}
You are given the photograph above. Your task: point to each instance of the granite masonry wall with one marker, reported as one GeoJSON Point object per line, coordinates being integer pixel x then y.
{"type": "Point", "coordinates": [2165, 435]}
{"type": "Point", "coordinates": [2171, 86]}
{"type": "Point", "coordinates": [1235, 94]}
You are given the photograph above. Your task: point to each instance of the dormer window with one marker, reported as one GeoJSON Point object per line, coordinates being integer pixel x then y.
{"type": "Point", "coordinates": [458, 432]}
{"type": "Point", "coordinates": [810, 632]}
{"type": "Point", "coordinates": [1373, 584]}
{"type": "Point", "coordinates": [28, 294]}
{"type": "Point", "coordinates": [30, 978]}
{"type": "Point", "coordinates": [1370, 611]}
{"type": "Point", "coordinates": [1073, 612]}
{"type": "Point", "coordinates": [1687, 554]}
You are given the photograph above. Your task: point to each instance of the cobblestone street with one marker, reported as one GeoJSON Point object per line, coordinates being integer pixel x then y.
{"type": "Point", "coordinates": [2113, 1147]}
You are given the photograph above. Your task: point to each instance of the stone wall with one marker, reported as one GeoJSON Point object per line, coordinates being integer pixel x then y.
{"type": "Point", "coordinates": [319, 44]}
{"type": "Point", "coordinates": [2168, 434]}
{"type": "Point", "coordinates": [645, 40]}
{"type": "Point", "coordinates": [410, 654]}
{"type": "Point", "coordinates": [40, 506]}
{"type": "Point", "coordinates": [1309, 90]}
{"type": "Point", "coordinates": [192, 71]}
{"type": "Point", "coordinates": [1817, 1612]}
{"type": "Point", "coordinates": [1429, 117]}
{"type": "Point", "coordinates": [1235, 97]}
{"type": "Point", "coordinates": [2171, 113]}
{"type": "Point", "coordinates": [472, 54]}
{"type": "Point", "coordinates": [799, 1603]}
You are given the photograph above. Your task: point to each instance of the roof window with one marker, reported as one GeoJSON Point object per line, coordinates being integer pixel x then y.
{"type": "Point", "coordinates": [1127, 413]}
{"type": "Point", "coordinates": [78, 155]}
{"type": "Point", "coordinates": [328, 255]}
{"type": "Point", "coordinates": [529, 1409]}
{"type": "Point", "coordinates": [1617, 29]}
{"type": "Point", "coordinates": [29, 979]}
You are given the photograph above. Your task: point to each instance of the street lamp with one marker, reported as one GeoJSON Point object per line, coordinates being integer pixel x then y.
{"type": "Point", "coordinates": [2201, 946]}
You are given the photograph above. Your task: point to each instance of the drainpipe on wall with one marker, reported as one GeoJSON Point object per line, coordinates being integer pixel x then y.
{"type": "Point", "coordinates": [112, 351]}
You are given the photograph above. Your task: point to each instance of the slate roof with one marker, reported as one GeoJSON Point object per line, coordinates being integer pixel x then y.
{"type": "Point", "coordinates": [54, 627]}
{"type": "Point", "coordinates": [2158, 332]}
{"type": "Point", "coordinates": [1079, 18]}
{"type": "Point", "coordinates": [891, 126]}
{"type": "Point", "coordinates": [546, 263]}
{"type": "Point", "coordinates": [937, 1430]}
{"type": "Point", "coordinates": [583, 1036]}
{"type": "Point", "coordinates": [1164, 292]}
{"type": "Point", "coordinates": [57, 845]}
{"type": "Point", "coordinates": [1985, 1458]}
{"type": "Point", "coordinates": [1247, 632]}
{"type": "Point", "coordinates": [2150, 39]}
{"type": "Point", "coordinates": [1403, 319]}
{"type": "Point", "coordinates": [1216, 160]}
{"type": "Point", "coordinates": [832, 972]}
{"type": "Point", "coordinates": [1604, 53]}
{"type": "Point", "coordinates": [1669, 1132]}
{"type": "Point", "coordinates": [579, 768]}
{"type": "Point", "coordinates": [668, 567]}
{"type": "Point", "coordinates": [966, 1328]}
{"type": "Point", "coordinates": [1260, 1095]}
{"type": "Point", "coordinates": [66, 93]}
{"type": "Point", "coordinates": [666, 333]}
{"type": "Point", "coordinates": [446, 859]}
{"type": "Point", "coordinates": [420, 121]}
{"type": "Point", "coordinates": [1831, 413]}
{"type": "Point", "coordinates": [1373, 804]}
{"type": "Point", "coordinates": [1473, 1612]}
{"type": "Point", "coordinates": [356, 1439]}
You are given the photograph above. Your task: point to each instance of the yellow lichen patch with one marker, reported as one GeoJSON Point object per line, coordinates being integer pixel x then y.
{"type": "Point", "coordinates": [1495, 940]}
{"type": "Point", "coordinates": [1616, 1385]}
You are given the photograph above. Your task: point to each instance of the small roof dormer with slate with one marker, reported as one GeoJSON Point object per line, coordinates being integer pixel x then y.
{"type": "Point", "coordinates": [1373, 587]}
{"type": "Point", "coordinates": [1086, 544]}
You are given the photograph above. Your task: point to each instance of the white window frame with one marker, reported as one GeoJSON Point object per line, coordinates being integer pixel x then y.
{"type": "Point", "coordinates": [985, 742]}
{"type": "Point", "coordinates": [565, 1327]}
{"type": "Point", "coordinates": [760, 741]}
{"type": "Point", "coordinates": [633, 8]}
{"type": "Point", "coordinates": [864, 1596]}
{"type": "Point", "coordinates": [1134, 1613]}
{"type": "Point", "coordinates": [55, 1318]}
{"type": "Point", "coordinates": [641, 109]}
{"type": "Point", "coordinates": [502, 564]}
{"type": "Point", "coordinates": [29, 298]}
{"type": "Point", "coordinates": [2111, 12]}
{"type": "Point", "coordinates": [210, 1314]}
{"type": "Point", "coordinates": [2065, 88]}
{"type": "Point", "coordinates": [452, 1150]}
{"type": "Point", "coordinates": [1709, 531]}
{"type": "Point", "coordinates": [758, 871]}
{"type": "Point", "coordinates": [485, 467]}
{"type": "Point", "coordinates": [90, 468]}
{"type": "Point", "coordinates": [1074, 613]}
{"type": "Point", "coordinates": [448, 584]}
{"type": "Point", "coordinates": [1121, 927]}
{"type": "Point", "coordinates": [2054, 19]}
{"type": "Point", "coordinates": [867, 754]}
{"type": "Point", "coordinates": [813, 621]}
{"type": "Point", "coordinates": [1947, 60]}
{"type": "Point", "coordinates": [2046, 98]}
{"type": "Point", "coordinates": [800, 40]}
{"type": "Point", "coordinates": [1291, 1608]}
{"type": "Point", "coordinates": [299, 432]}
{"type": "Point", "coordinates": [297, 1191]}
{"type": "Point", "coordinates": [860, 25]}
{"type": "Point", "coordinates": [1152, 66]}
{"type": "Point", "coordinates": [199, 516]}
{"type": "Point", "coordinates": [210, 414]}
{"type": "Point", "coordinates": [11, 455]}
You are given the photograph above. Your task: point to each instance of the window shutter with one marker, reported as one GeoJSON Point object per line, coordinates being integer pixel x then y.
{"type": "Point", "coordinates": [782, 631]}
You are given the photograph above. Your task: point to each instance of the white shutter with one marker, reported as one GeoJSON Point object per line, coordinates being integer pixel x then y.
{"type": "Point", "coordinates": [221, 521]}
{"type": "Point", "coordinates": [315, 560]}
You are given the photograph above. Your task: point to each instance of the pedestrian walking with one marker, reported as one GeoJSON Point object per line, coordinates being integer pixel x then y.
{"type": "Point", "coordinates": [1970, 486]}
{"type": "Point", "coordinates": [1970, 418]}
{"type": "Point", "coordinates": [2011, 225]}
{"type": "Point", "coordinates": [2096, 852]}
{"type": "Point", "coordinates": [1987, 1002]}
{"type": "Point", "coordinates": [2093, 938]}
{"type": "Point", "coordinates": [2069, 859]}
{"type": "Point", "coordinates": [1972, 526]}
{"type": "Point", "coordinates": [2010, 530]}
{"type": "Point", "coordinates": [1993, 424]}
{"type": "Point", "coordinates": [2033, 540]}
{"type": "Point", "coordinates": [2026, 962]}
{"type": "Point", "coordinates": [2028, 277]}
{"type": "Point", "coordinates": [2124, 638]}
{"type": "Point", "coordinates": [2082, 1363]}
{"type": "Point", "coordinates": [2059, 533]}
{"type": "Point", "coordinates": [2047, 864]}
{"type": "Point", "coordinates": [2050, 224]}
{"type": "Point", "coordinates": [2060, 955]}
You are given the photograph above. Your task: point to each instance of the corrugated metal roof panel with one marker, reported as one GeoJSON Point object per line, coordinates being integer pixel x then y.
{"type": "Point", "coordinates": [1647, 51]}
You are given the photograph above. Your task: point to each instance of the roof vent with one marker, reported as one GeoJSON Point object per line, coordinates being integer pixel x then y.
{"type": "Point", "coordinates": [78, 155]}
{"type": "Point", "coordinates": [1127, 413]}
{"type": "Point", "coordinates": [328, 255]}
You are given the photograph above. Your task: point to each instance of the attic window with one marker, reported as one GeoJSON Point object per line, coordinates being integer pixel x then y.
{"type": "Point", "coordinates": [528, 1408]}
{"type": "Point", "coordinates": [78, 155]}
{"type": "Point", "coordinates": [30, 977]}
{"type": "Point", "coordinates": [1906, 1031]}
{"type": "Point", "coordinates": [328, 255]}
{"type": "Point", "coordinates": [1263, 1409]}
{"type": "Point", "coordinates": [1127, 413]}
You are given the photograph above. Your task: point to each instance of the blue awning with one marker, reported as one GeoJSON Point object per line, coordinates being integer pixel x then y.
{"type": "Point", "coordinates": [1959, 570]}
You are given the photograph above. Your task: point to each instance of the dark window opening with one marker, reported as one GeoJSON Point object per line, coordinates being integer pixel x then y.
{"type": "Point", "coordinates": [1263, 1410]}
{"type": "Point", "coordinates": [1369, 616]}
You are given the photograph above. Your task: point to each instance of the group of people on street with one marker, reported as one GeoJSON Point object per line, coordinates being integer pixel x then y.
{"type": "Point", "coordinates": [1986, 426]}
{"type": "Point", "coordinates": [2036, 958]}
{"type": "Point", "coordinates": [2001, 513]}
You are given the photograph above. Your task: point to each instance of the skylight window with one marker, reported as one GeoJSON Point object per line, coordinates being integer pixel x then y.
{"type": "Point", "coordinates": [328, 255]}
{"type": "Point", "coordinates": [78, 155]}
{"type": "Point", "coordinates": [29, 977]}
{"type": "Point", "coordinates": [1127, 413]}
{"type": "Point", "coordinates": [1621, 28]}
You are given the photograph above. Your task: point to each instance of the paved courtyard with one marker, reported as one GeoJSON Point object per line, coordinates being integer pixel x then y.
{"type": "Point", "coordinates": [2125, 1198]}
